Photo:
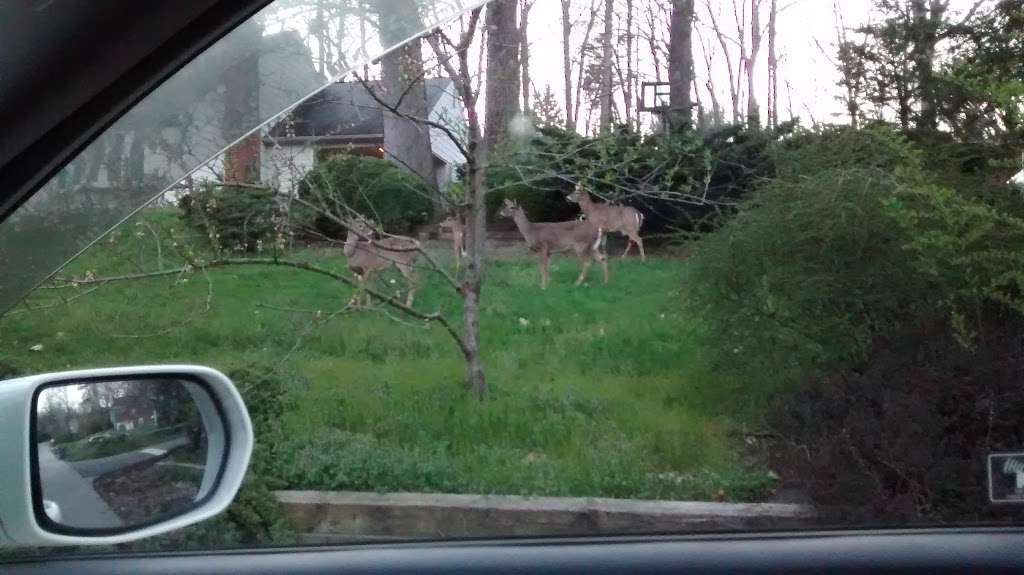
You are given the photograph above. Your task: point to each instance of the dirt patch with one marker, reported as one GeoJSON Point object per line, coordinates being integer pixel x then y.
{"type": "Point", "coordinates": [142, 493]}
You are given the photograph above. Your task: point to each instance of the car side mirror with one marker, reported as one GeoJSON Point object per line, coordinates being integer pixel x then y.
{"type": "Point", "coordinates": [108, 456]}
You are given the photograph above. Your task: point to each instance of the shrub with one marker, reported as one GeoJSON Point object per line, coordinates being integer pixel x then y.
{"type": "Point", "coordinates": [897, 303]}
{"type": "Point", "coordinates": [254, 518]}
{"type": "Point", "coordinates": [265, 392]}
{"type": "Point", "coordinates": [904, 436]}
{"type": "Point", "coordinates": [810, 269]}
{"type": "Point", "coordinates": [234, 218]}
{"type": "Point", "coordinates": [666, 176]}
{"type": "Point", "coordinates": [393, 196]}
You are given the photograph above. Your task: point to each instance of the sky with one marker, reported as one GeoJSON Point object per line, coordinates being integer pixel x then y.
{"type": "Point", "coordinates": [805, 27]}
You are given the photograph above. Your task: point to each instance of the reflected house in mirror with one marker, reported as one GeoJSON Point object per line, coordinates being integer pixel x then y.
{"type": "Point", "coordinates": [114, 454]}
{"type": "Point", "coordinates": [127, 413]}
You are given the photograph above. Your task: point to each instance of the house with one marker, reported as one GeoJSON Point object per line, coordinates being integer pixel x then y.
{"type": "Point", "coordinates": [345, 118]}
{"type": "Point", "coordinates": [128, 413]}
{"type": "Point", "coordinates": [1017, 180]}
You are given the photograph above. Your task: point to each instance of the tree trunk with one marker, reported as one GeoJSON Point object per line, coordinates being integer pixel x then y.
{"type": "Point", "coordinates": [406, 142]}
{"type": "Point", "coordinates": [476, 152]}
{"type": "Point", "coordinates": [570, 117]}
{"type": "Point", "coordinates": [680, 65]}
{"type": "Point", "coordinates": [594, 10]}
{"type": "Point", "coordinates": [723, 42]}
{"type": "Point", "coordinates": [476, 236]}
{"type": "Point", "coordinates": [627, 88]}
{"type": "Point", "coordinates": [524, 51]}
{"type": "Point", "coordinates": [925, 21]}
{"type": "Point", "coordinates": [753, 112]}
{"type": "Point", "coordinates": [606, 68]}
{"type": "Point", "coordinates": [502, 91]}
{"type": "Point", "coordinates": [773, 67]}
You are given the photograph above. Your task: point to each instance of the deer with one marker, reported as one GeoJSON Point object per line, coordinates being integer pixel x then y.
{"type": "Point", "coordinates": [546, 238]}
{"type": "Point", "coordinates": [367, 256]}
{"type": "Point", "coordinates": [622, 219]}
{"type": "Point", "coordinates": [458, 230]}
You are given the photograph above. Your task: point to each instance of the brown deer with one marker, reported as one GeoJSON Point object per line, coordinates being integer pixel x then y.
{"type": "Point", "coordinates": [367, 255]}
{"type": "Point", "coordinates": [546, 238]}
{"type": "Point", "coordinates": [458, 230]}
{"type": "Point", "coordinates": [622, 219]}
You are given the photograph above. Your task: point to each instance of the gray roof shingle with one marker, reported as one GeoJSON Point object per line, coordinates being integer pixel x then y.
{"type": "Point", "coordinates": [345, 109]}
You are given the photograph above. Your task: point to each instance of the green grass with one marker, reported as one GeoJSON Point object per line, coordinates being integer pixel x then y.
{"type": "Point", "coordinates": [595, 391]}
{"type": "Point", "coordinates": [117, 444]}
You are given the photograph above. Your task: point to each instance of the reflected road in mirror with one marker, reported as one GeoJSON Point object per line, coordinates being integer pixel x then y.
{"type": "Point", "coordinates": [116, 454]}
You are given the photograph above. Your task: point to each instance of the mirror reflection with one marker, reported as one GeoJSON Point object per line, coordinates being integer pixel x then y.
{"type": "Point", "coordinates": [117, 454]}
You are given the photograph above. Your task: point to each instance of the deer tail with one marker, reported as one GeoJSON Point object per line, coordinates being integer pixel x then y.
{"type": "Point", "coordinates": [639, 219]}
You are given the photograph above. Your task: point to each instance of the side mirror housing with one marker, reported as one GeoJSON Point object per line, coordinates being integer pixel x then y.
{"type": "Point", "coordinates": [106, 456]}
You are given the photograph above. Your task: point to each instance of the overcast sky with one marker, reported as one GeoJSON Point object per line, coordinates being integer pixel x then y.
{"type": "Point", "coordinates": [803, 26]}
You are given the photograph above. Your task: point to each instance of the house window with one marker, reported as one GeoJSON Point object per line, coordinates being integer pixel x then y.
{"type": "Point", "coordinates": [373, 151]}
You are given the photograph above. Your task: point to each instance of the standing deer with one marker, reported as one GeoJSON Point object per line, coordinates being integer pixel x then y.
{"type": "Point", "coordinates": [367, 256]}
{"type": "Point", "coordinates": [546, 238]}
{"type": "Point", "coordinates": [458, 231]}
{"type": "Point", "coordinates": [622, 219]}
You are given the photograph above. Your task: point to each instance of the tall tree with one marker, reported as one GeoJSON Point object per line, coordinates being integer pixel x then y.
{"type": "Point", "coordinates": [753, 111]}
{"type": "Point", "coordinates": [725, 42]}
{"type": "Point", "coordinates": [405, 143]}
{"type": "Point", "coordinates": [773, 65]}
{"type": "Point", "coordinates": [570, 118]}
{"type": "Point", "coordinates": [503, 83]}
{"type": "Point", "coordinates": [524, 50]}
{"type": "Point", "coordinates": [680, 65]}
{"type": "Point", "coordinates": [629, 85]}
{"type": "Point", "coordinates": [606, 88]}
{"type": "Point", "coordinates": [926, 19]}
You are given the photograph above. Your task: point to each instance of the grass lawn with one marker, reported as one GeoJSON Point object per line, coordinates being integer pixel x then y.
{"type": "Point", "coordinates": [119, 443]}
{"type": "Point", "coordinates": [595, 391]}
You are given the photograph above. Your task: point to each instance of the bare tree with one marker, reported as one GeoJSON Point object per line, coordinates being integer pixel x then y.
{"type": "Point", "coordinates": [595, 8]}
{"type": "Point", "coordinates": [630, 84]}
{"type": "Point", "coordinates": [724, 41]}
{"type": "Point", "coordinates": [524, 50]}
{"type": "Point", "coordinates": [475, 151]}
{"type": "Point", "coordinates": [606, 93]}
{"type": "Point", "coordinates": [850, 65]}
{"type": "Point", "coordinates": [709, 82]}
{"type": "Point", "coordinates": [570, 116]}
{"type": "Point", "coordinates": [681, 62]}
{"type": "Point", "coordinates": [503, 84]}
{"type": "Point", "coordinates": [753, 111]}
{"type": "Point", "coordinates": [773, 66]}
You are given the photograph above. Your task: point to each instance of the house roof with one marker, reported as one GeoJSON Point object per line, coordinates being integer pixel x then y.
{"type": "Point", "coordinates": [345, 109]}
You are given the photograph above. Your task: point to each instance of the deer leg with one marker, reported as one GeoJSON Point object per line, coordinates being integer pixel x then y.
{"type": "Point", "coordinates": [629, 245]}
{"type": "Point", "coordinates": [410, 276]}
{"type": "Point", "coordinates": [639, 244]}
{"type": "Point", "coordinates": [585, 262]}
{"type": "Point", "coordinates": [362, 288]}
{"type": "Point", "coordinates": [603, 258]}
{"type": "Point", "coordinates": [354, 300]}
{"type": "Point", "coordinates": [543, 269]}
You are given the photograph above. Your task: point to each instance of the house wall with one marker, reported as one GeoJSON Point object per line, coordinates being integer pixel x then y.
{"type": "Point", "coordinates": [283, 166]}
{"type": "Point", "coordinates": [447, 111]}
{"type": "Point", "coordinates": [1018, 180]}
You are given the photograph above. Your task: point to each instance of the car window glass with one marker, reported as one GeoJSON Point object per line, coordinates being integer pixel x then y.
{"type": "Point", "coordinates": [586, 267]}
